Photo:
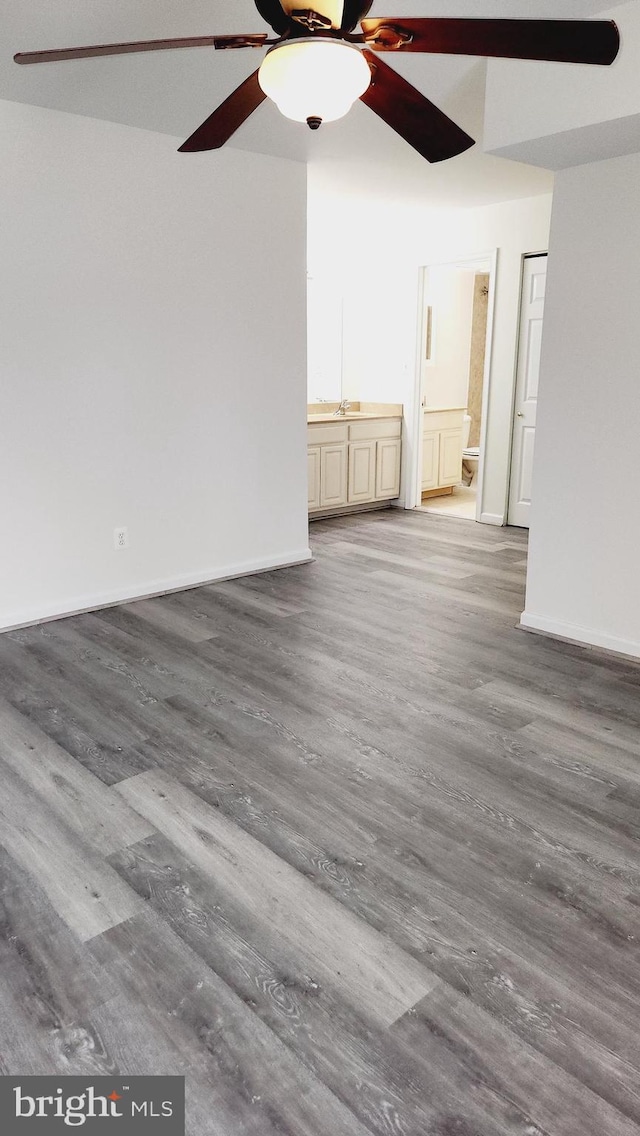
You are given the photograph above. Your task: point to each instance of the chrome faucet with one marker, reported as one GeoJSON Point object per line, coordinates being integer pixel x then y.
{"type": "Point", "coordinates": [344, 406]}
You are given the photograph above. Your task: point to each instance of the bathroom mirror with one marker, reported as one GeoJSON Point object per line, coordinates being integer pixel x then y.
{"type": "Point", "coordinates": [325, 314]}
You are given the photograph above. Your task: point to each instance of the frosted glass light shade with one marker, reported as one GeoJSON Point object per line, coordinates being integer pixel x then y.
{"type": "Point", "coordinates": [314, 78]}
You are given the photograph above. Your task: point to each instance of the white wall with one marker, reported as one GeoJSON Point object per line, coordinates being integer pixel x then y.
{"type": "Point", "coordinates": [449, 292]}
{"type": "Point", "coordinates": [153, 363]}
{"type": "Point", "coordinates": [584, 560]}
{"type": "Point", "coordinates": [375, 262]}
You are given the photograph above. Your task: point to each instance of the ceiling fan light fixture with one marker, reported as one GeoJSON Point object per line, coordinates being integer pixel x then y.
{"type": "Point", "coordinates": [314, 78]}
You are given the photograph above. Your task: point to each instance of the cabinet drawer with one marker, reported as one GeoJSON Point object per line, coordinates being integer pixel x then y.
{"type": "Point", "coordinates": [441, 420]}
{"type": "Point", "coordinates": [375, 428]}
{"type": "Point", "coordinates": [322, 433]}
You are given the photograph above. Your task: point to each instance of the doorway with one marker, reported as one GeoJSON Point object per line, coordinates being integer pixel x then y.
{"type": "Point", "coordinates": [534, 280]}
{"type": "Point", "coordinates": [456, 321]}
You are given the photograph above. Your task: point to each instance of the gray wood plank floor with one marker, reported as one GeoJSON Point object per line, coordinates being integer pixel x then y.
{"type": "Point", "coordinates": [338, 843]}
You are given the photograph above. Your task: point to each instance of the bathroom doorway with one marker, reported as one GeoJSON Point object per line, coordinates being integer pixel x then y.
{"type": "Point", "coordinates": [456, 319]}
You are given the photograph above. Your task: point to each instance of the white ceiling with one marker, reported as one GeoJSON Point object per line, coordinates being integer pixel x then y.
{"type": "Point", "coordinates": [172, 92]}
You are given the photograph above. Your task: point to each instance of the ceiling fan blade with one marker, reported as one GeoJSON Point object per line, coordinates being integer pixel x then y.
{"type": "Point", "coordinates": [226, 119]}
{"type": "Point", "coordinates": [411, 115]}
{"type": "Point", "coordinates": [564, 41]}
{"type": "Point", "coordinates": [58, 55]}
{"type": "Point", "coordinates": [224, 42]}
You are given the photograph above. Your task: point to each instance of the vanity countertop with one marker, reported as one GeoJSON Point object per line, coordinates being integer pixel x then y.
{"type": "Point", "coordinates": [443, 409]}
{"type": "Point", "coordinates": [325, 411]}
{"type": "Point", "coordinates": [348, 416]}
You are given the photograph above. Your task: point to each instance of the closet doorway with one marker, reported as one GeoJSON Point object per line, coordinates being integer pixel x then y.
{"type": "Point", "coordinates": [534, 283]}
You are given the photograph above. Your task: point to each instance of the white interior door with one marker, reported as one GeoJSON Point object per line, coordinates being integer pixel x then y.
{"type": "Point", "coordinates": [534, 279]}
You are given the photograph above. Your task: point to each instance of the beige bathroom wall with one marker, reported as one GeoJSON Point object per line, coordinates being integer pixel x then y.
{"type": "Point", "coordinates": [476, 354]}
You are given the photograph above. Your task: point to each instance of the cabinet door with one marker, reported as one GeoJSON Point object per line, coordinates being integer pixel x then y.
{"type": "Point", "coordinates": [430, 459]}
{"type": "Point", "coordinates": [388, 468]}
{"type": "Point", "coordinates": [313, 476]}
{"type": "Point", "coordinates": [333, 475]}
{"type": "Point", "coordinates": [450, 461]}
{"type": "Point", "coordinates": [362, 471]}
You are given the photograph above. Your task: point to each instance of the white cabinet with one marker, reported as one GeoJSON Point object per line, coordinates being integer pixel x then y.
{"type": "Point", "coordinates": [387, 468]}
{"type": "Point", "coordinates": [333, 475]}
{"type": "Point", "coordinates": [362, 471]}
{"type": "Point", "coordinates": [450, 457]}
{"type": "Point", "coordinates": [430, 459]}
{"type": "Point", "coordinates": [442, 434]}
{"type": "Point", "coordinates": [327, 445]}
{"type": "Point", "coordinates": [354, 461]}
{"type": "Point", "coordinates": [313, 476]}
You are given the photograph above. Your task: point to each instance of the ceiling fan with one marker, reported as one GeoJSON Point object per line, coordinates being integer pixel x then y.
{"type": "Point", "coordinates": [318, 64]}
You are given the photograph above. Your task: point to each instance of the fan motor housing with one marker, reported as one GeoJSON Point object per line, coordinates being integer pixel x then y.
{"type": "Point", "coordinates": [286, 16]}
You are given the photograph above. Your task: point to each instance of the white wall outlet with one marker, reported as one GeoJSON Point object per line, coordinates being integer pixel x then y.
{"type": "Point", "coordinates": [121, 537]}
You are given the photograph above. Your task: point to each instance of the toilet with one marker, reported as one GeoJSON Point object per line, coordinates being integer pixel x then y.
{"type": "Point", "coordinates": [470, 455]}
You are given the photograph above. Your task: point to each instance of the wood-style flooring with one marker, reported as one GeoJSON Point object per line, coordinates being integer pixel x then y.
{"type": "Point", "coordinates": [338, 843]}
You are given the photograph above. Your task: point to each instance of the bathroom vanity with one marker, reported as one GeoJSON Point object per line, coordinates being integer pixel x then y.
{"type": "Point", "coordinates": [442, 443]}
{"type": "Point", "coordinates": [353, 458]}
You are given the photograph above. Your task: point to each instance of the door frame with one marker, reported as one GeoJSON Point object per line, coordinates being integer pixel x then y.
{"type": "Point", "coordinates": [525, 256]}
{"type": "Point", "coordinates": [414, 495]}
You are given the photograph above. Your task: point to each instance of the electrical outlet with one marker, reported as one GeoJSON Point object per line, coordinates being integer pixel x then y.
{"type": "Point", "coordinates": [121, 537]}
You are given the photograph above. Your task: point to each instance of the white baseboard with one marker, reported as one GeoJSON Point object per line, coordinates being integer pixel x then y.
{"type": "Point", "coordinates": [81, 604]}
{"type": "Point", "coordinates": [491, 519]}
{"type": "Point", "coordinates": [583, 636]}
